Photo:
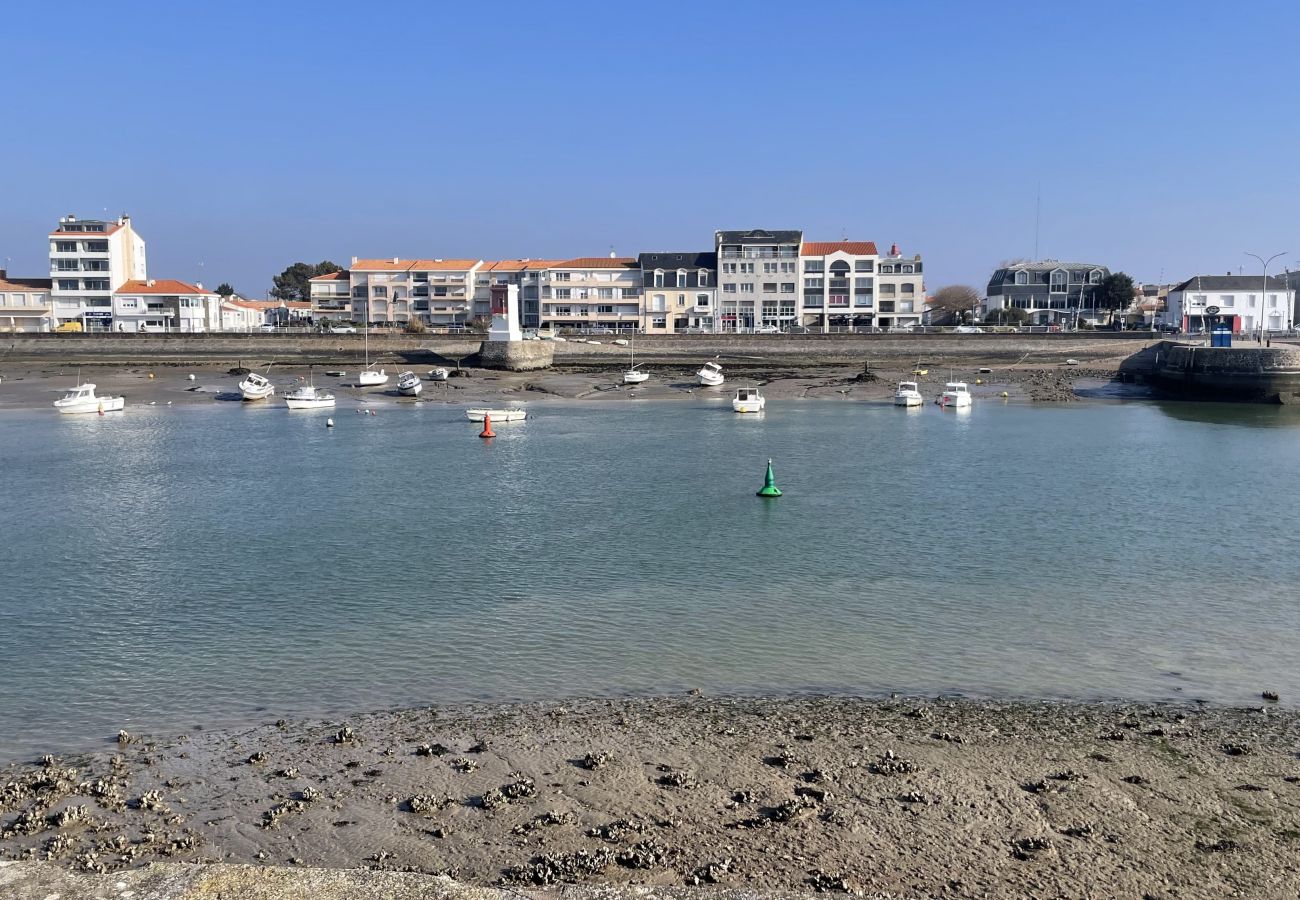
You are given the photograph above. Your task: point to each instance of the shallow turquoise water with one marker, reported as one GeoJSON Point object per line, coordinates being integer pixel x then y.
{"type": "Point", "coordinates": [175, 567]}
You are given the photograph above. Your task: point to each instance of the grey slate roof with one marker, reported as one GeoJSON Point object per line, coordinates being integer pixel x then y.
{"type": "Point", "coordinates": [760, 236]}
{"type": "Point", "coordinates": [1230, 283]}
{"type": "Point", "coordinates": [685, 260]}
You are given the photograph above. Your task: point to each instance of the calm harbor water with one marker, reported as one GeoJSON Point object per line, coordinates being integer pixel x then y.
{"type": "Point", "coordinates": [171, 568]}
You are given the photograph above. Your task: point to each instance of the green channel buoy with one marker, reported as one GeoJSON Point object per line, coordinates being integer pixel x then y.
{"type": "Point", "coordinates": [769, 488]}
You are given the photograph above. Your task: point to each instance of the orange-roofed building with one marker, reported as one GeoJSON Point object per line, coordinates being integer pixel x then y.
{"type": "Point", "coordinates": [592, 294]}
{"type": "Point", "coordinates": [331, 295]}
{"type": "Point", "coordinates": [528, 274]}
{"type": "Point", "coordinates": [846, 284]}
{"type": "Point", "coordinates": [435, 292]}
{"type": "Point", "coordinates": [165, 305]}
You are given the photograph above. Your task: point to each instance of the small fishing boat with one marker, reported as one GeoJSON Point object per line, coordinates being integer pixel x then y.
{"type": "Point", "coordinates": [956, 395]}
{"type": "Point", "coordinates": [256, 387]}
{"type": "Point", "coordinates": [748, 400]}
{"type": "Point", "coordinates": [82, 399]}
{"type": "Point", "coordinates": [710, 374]}
{"type": "Point", "coordinates": [308, 396]}
{"type": "Point", "coordinates": [438, 374]}
{"type": "Point", "coordinates": [408, 384]}
{"type": "Point", "coordinates": [633, 375]}
{"type": "Point", "coordinates": [513, 414]}
{"type": "Point", "coordinates": [336, 373]}
{"type": "Point", "coordinates": [908, 394]}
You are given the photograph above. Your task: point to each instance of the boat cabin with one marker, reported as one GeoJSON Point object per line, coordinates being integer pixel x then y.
{"type": "Point", "coordinates": [744, 394]}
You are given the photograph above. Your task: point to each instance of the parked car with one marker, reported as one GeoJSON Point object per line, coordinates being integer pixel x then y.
{"type": "Point", "coordinates": [70, 326]}
{"type": "Point", "coordinates": [343, 329]}
{"type": "Point", "coordinates": [766, 329]}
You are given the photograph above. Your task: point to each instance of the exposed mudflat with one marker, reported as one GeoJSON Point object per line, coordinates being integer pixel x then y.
{"type": "Point", "coordinates": [905, 797]}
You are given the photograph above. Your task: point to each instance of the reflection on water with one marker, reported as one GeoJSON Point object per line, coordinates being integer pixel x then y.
{"type": "Point", "coordinates": [174, 567]}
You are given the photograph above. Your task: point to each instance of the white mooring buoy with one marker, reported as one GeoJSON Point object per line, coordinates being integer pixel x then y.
{"type": "Point", "coordinates": [329, 423]}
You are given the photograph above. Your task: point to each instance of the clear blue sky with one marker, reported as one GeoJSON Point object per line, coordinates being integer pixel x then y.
{"type": "Point", "coordinates": [244, 136]}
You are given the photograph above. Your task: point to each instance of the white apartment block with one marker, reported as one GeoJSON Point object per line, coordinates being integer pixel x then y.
{"type": "Point", "coordinates": [1235, 300]}
{"type": "Point", "coordinates": [24, 304]}
{"type": "Point", "coordinates": [758, 279]}
{"type": "Point", "coordinates": [900, 290]}
{"type": "Point", "coordinates": [838, 281]}
{"type": "Point", "coordinates": [527, 274]}
{"type": "Point", "coordinates": [436, 292]}
{"type": "Point", "coordinates": [331, 296]}
{"type": "Point", "coordinates": [592, 293]}
{"type": "Point", "coordinates": [165, 305]}
{"type": "Point", "coordinates": [89, 260]}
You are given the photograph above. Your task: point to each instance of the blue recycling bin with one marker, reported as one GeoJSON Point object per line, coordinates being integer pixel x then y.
{"type": "Point", "coordinates": [1221, 336]}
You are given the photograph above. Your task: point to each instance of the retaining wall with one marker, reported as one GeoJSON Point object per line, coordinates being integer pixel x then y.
{"type": "Point", "coordinates": [1253, 374]}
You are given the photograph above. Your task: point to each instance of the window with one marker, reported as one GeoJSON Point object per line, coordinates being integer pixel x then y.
{"type": "Point", "coordinates": [605, 293]}
{"type": "Point", "coordinates": [862, 265]}
{"type": "Point", "coordinates": [657, 303]}
{"type": "Point", "coordinates": [97, 284]}
{"type": "Point", "coordinates": [1272, 301]}
{"type": "Point", "coordinates": [66, 265]}
{"type": "Point", "coordinates": [129, 303]}
{"type": "Point", "coordinates": [1059, 284]}
{"type": "Point", "coordinates": [907, 288]}
{"type": "Point", "coordinates": [862, 284]}
{"type": "Point", "coordinates": [681, 278]}
{"type": "Point", "coordinates": [659, 322]}
{"type": "Point", "coordinates": [747, 268]}
{"type": "Point", "coordinates": [704, 278]}
{"type": "Point", "coordinates": [1094, 277]}
{"type": "Point", "coordinates": [728, 289]}
{"type": "Point", "coordinates": [1226, 300]}
{"type": "Point", "coordinates": [659, 278]}
{"type": "Point", "coordinates": [563, 293]}
{"type": "Point", "coordinates": [887, 290]}
{"type": "Point", "coordinates": [65, 246]}
{"type": "Point", "coordinates": [747, 288]}
{"type": "Point", "coordinates": [701, 299]}
{"type": "Point", "coordinates": [788, 268]}
{"type": "Point", "coordinates": [562, 276]}
{"type": "Point", "coordinates": [787, 287]}
{"type": "Point", "coordinates": [769, 287]}
{"type": "Point", "coordinates": [906, 270]}
{"type": "Point", "coordinates": [729, 268]}
{"type": "Point", "coordinates": [380, 291]}
{"type": "Point", "coordinates": [681, 299]}
{"type": "Point", "coordinates": [886, 270]}
{"type": "Point", "coordinates": [812, 265]}
{"type": "Point", "coordinates": [605, 310]}
{"type": "Point", "coordinates": [561, 311]}
{"type": "Point", "coordinates": [812, 284]}
{"type": "Point", "coordinates": [769, 268]}
{"type": "Point", "coordinates": [359, 293]}
{"type": "Point", "coordinates": [1021, 277]}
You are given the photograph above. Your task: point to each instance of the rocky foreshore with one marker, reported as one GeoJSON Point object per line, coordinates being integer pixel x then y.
{"type": "Point", "coordinates": [902, 797]}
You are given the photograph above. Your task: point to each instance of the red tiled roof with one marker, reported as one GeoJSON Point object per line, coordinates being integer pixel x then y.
{"type": "Point", "coordinates": [421, 265]}
{"type": "Point", "coordinates": [26, 284]}
{"type": "Point", "coordinates": [160, 286]}
{"type": "Point", "coordinates": [276, 304]}
{"type": "Point", "coordinates": [111, 227]}
{"type": "Point", "coordinates": [597, 262]}
{"type": "Point", "coordinates": [825, 248]}
{"type": "Point", "coordinates": [332, 276]}
{"type": "Point", "coordinates": [518, 265]}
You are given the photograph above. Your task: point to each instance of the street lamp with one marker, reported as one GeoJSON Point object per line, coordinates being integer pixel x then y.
{"type": "Point", "coordinates": [1263, 287]}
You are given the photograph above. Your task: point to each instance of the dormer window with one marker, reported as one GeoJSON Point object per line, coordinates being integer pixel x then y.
{"type": "Point", "coordinates": [1094, 277]}
{"type": "Point", "coordinates": [1022, 277]}
{"type": "Point", "coordinates": [1060, 282]}
{"type": "Point", "coordinates": [704, 277]}
{"type": "Point", "coordinates": [659, 277]}
{"type": "Point", "coordinates": [681, 278]}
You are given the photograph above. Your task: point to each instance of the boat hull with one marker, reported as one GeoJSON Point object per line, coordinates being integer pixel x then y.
{"type": "Point", "coordinates": [256, 393]}
{"type": "Point", "coordinates": [99, 404]}
{"type": "Point", "coordinates": [314, 403]}
{"type": "Point", "coordinates": [371, 378]}
{"type": "Point", "coordinates": [711, 380]}
{"type": "Point", "coordinates": [748, 406]}
{"type": "Point", "coordinates": [955, 401]}
{"type": "Point", "coordinates": [635, 377]}
{"type": "Point", "coordinates": [908, 400]}
{"type": "Point", "coordinates": [498, 415]}
{"type": "Point", "coordinates": [438, 374]}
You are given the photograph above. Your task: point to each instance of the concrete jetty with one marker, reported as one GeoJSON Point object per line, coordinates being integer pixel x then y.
{"type": "Point", "coordinates": [1241, 374]}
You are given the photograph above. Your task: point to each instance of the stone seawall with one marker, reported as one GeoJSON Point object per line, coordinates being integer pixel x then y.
{"type": "Point", "coordinates": [516, 356]}
{"type": "Point", "coordinates": [339, 349]}
{"type": "Point", "coordinates": [1250, 374]}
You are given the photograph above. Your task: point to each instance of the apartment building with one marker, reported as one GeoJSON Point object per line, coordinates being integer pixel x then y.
{"type": "Point", "coordinates": [592, 293]}
{"type": "Point", "coordinates": [89, 260]}
{"type": "Point", "coordinates": [680, 291]}
{"type": "Point", "coordinates": [165, 305]}
{"type": "Point", "coordinates": [900, 290]}
{"type": "Point", "coordinates": [24, 303]}
{"type": "Point", "coordinates": [838, 281]}
{"type": "Point", "coordinates": [758, 278]}
{"type": "Point", "coordinates": [437, 292]}
{"type": "Point", "coordinates": [331, 296]}
{"type": "Point", "coordinates": [1237, 300]}
{"type": "Point", "coordinates": [1050, 291]}
{"type": "Point", "coordinates": [527, 274]}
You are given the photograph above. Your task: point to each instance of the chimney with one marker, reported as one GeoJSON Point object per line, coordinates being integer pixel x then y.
{"type": "Point", "coordinates": [71, 217]}
{"type": "Point", "coordinates": [354, 261]}
{"type": "Point", "coordinates": [3, 273]}
{"type": "Point", "coordinates": [199, 285]}
{"type": "Point", "coordinates": [893, 250]}
{"type": "Point", "coordinates": [149, 283]}
{"type": "Point", "coordinates": [395, 260]}
{"type": "Point", "coordinates": [612, 254]}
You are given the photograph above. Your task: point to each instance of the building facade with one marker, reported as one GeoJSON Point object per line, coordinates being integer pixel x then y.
{"type": "Point", "coordinates": [1237, 300]}
{"type": "Point", "coordinates": [165, 305]}
{"type": "Point", "coordinates": [527, 274]}
{"type": "Point", "coordinates": [592, 293]}
{"type": "Point", "coordinates": [436, 292]}
{"type": "Point", "coordinates": [25, 304]}
{"type": "Point", "coordinates": [900, 290]}
{"type": "Point", "coordinates": [680, 291]}
{"type": "Point", "coordinates": [1049, 291]}
{"type": "Point", "coordinates": [89, 260]}
{"type": "Point", "coordinates": [758, 278]}
{"type": "Point", "coordinates": [838, 284]}
{"type": "Point", "coordinates": [331, 296]}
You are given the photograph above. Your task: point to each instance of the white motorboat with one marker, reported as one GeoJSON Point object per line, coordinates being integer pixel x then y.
{"type": "Point", "coordinates": [908, 394]}
{"type": "Point", "coordinates": [633, 375]}
{"type": "Point", "coordinates": [710, 374]}
{"type": "Point", "coordinates": [256, 387]}
{"type": "Point", "coordinates": [308, 396]}
{"type": "Point", "coordinates": [438, 374]}
{"type": "Point", "coordinates": [955, 395]}
{"type": "Point", "coordinates": [409, 384]}
{"type": "Point", "coordinates": [82, 399]}
{"type": "Point", "coordinates": [513, 414]}
{"type": "Point", "coordinates": [748, 400]}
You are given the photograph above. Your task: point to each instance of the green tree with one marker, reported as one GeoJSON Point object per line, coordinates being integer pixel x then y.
{"type": "Point", "coordinates": [294, 282]}
{"type": "Point", "coordinates": [1007, 315]}
{"type": "Point", "coordinates": [224, 289]}
{"type": "Point", "coordinates": [1116, 292]}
